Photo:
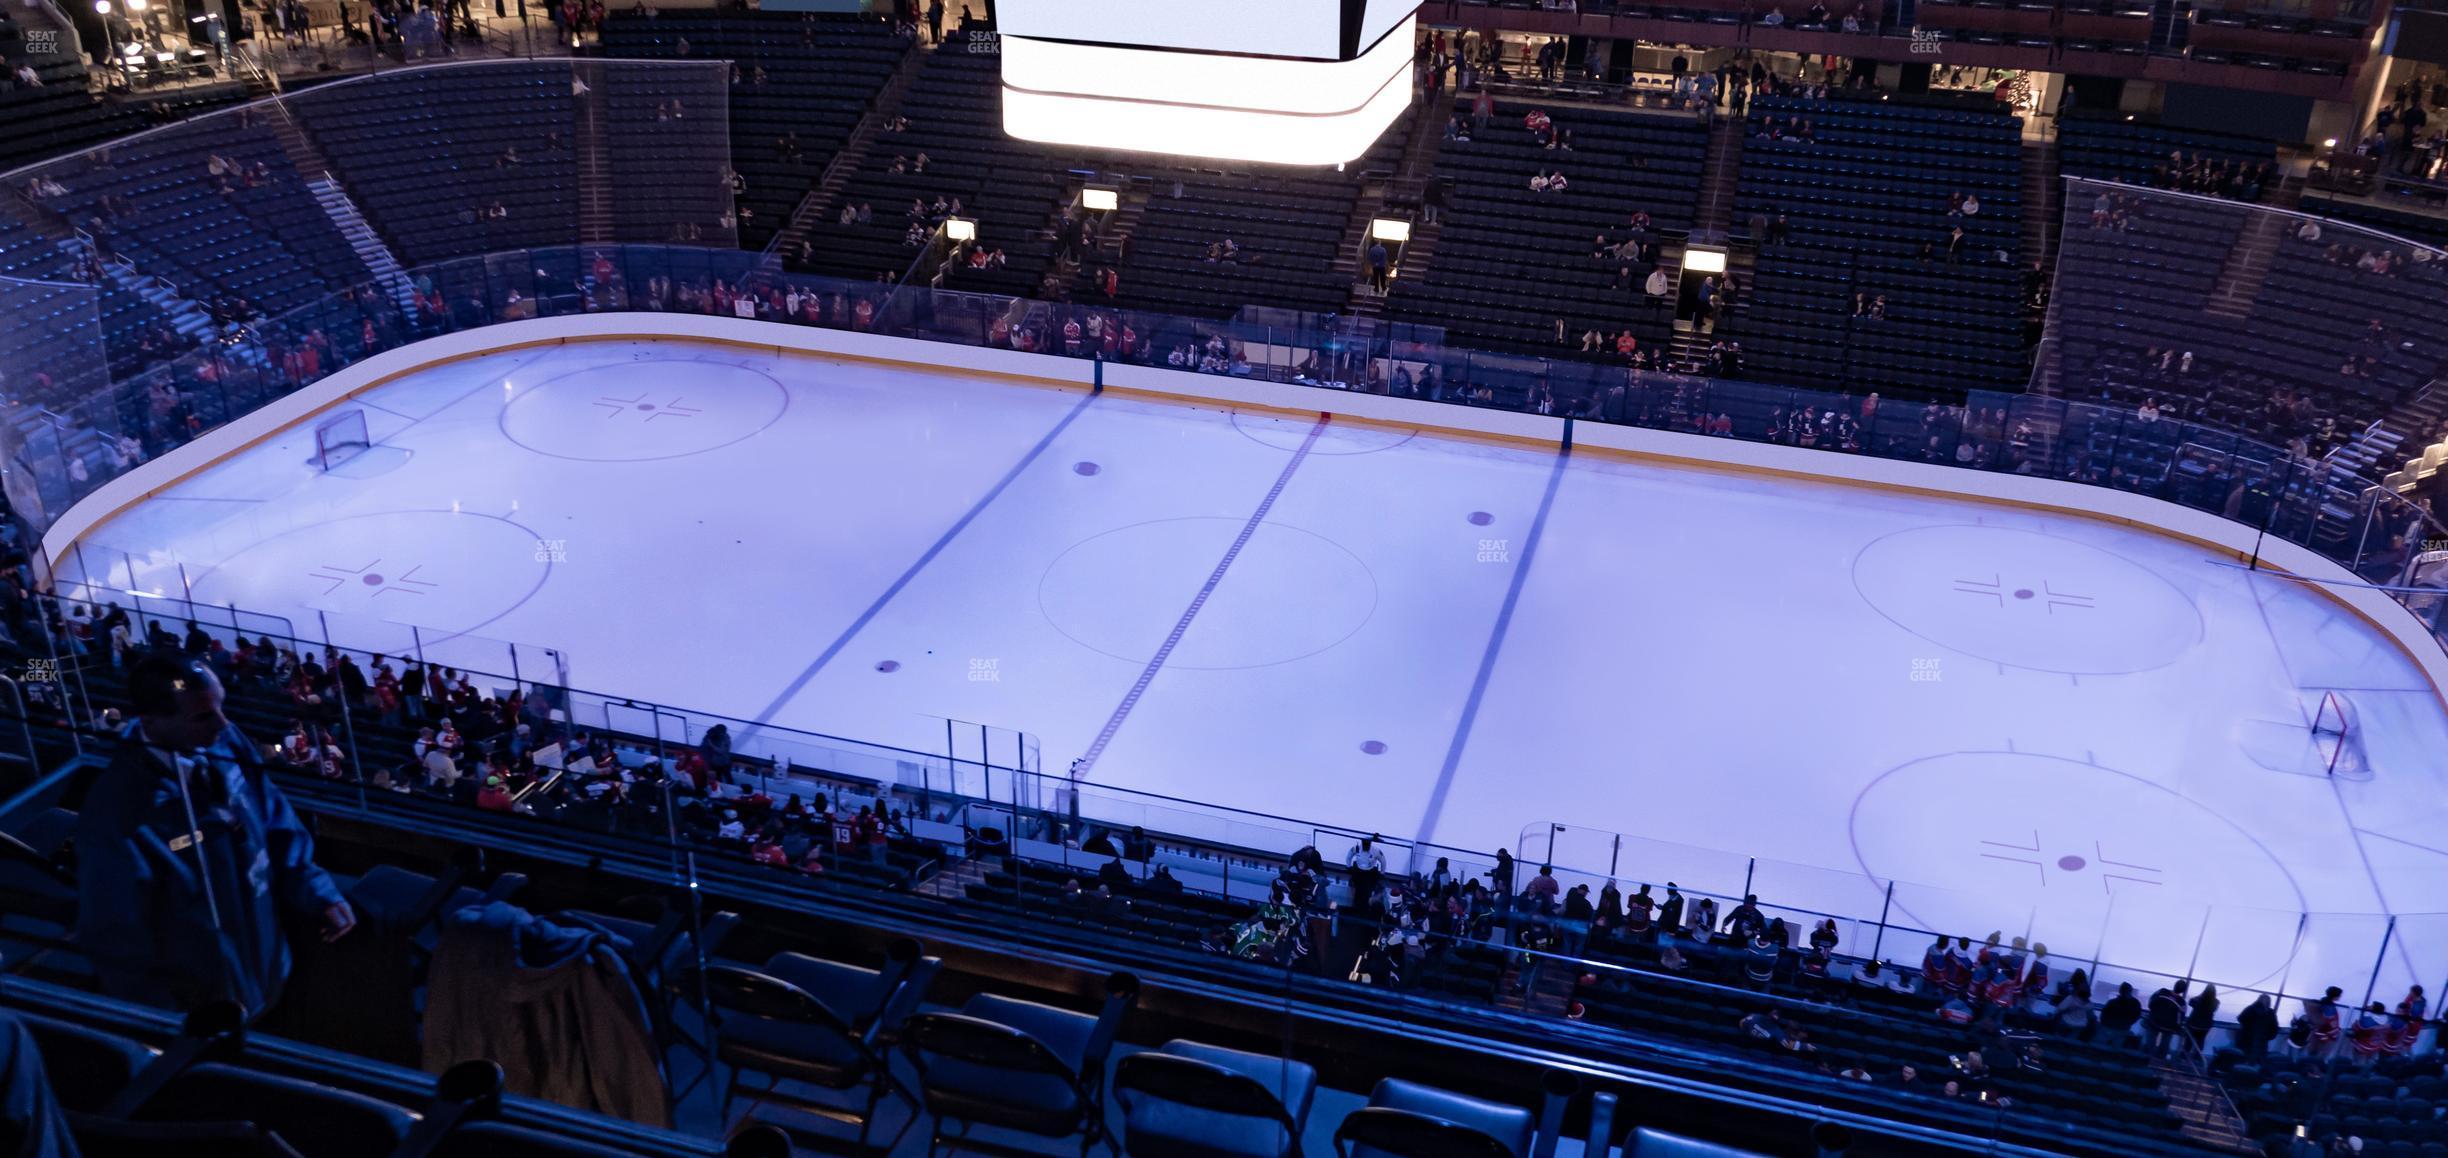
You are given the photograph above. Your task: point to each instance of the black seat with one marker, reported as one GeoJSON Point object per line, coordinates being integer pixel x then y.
{"type": "Point", "coordinates": [766, 1024]}
{"type": "Point", "coordinates": [1018, 1065]}
{"type": "Point", "coordinates": [499, 1140]}
{"type": "Point", "coordinates": [1202, 1101]}
{"type": "Point", "coordinates": [1648, 1143]}
{"type": "Point", "coordinates": [1383, 1132]}
{"type": "Point", "coordinates": [87, 1066]}
{"type": "Point", "coordinates": [1410, 1120]}
{"type": "Point", "coordinates": [316, 1120]}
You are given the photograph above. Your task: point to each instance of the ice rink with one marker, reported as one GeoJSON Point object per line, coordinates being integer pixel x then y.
{"type": "Point", "coordinates": [2041, 725]}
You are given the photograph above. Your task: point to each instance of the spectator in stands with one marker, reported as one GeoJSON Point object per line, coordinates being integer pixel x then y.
{"type": "Point", "coordinates": [2371, 1036]}
{"type": "Point", "coordinates": [1367, 864]}
{"type": "Point", "coordinates": [2202, 1015]}
{"type": "Point", "coordinates": [1379, 276]}
{"type": "Point", "coordinates": [189, 857]}
{"type": "Point", "coordinates": [2409, 1018]}
{"type": "Point", "coordinates": [2164, 1021]}
{"type": "Point", "coordinates": [2256, 1027]}
{"type": "Point", "coordinates": [2323, 1025]}
{"type": "Point", "coordinates": [1703, 919]}
{"type": "Point", "coordinates": [2121, 1012]}
{"type": "Point", "coordinates": [1746, 921]}
{"type": "Point", "coordinates": [1656, 289]}
{"type": "Point", "coordinates": [1543, 889]}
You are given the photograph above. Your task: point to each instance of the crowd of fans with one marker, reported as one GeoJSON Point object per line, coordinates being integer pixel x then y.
{"type": "Point", "coordinates": [1404, 930]}
{"type": "Point", "coordinates": [2404, 138]}
{"type": "Point", "coordinates": [2214, 176]}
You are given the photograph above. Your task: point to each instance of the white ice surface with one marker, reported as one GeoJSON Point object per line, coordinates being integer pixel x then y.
{"type": "Point", "coordinates": [2041, 725]}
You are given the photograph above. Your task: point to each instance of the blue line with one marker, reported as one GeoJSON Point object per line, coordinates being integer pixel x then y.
{"type": "Point", "coordinates": [1487, 658]}
{"type": "Point", "coordinates": [937, 548]}
{"type": "Point", "coordinates": [1181, 627]}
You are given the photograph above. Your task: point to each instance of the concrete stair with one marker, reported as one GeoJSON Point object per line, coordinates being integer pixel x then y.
{"type": "Point", "coordinates": [1548, 997]}
{"type": "Point", "coordinates": [2209, 1117]}
{"type": "Point", "coordinates": [1713, 212]}
{"type": "Point", "coordinates": [188, 318]}
{"type": "Point", "coordinates": [2247, 268]}
{"type": "Point", "coordinates": [594, 146]}
{"type": "Point", "coordinates": [1064, 279]}
{"type": "Point", "coordinates": [823, 196]}
{"type": "Point", "coordinates": [2248, 264]}
{"type": "Point", "coordinates": [951, 882]}
{"type": "Point", "coordinates": [2379, 453]}
{"type": "Point", "coordinates": [368, 245]}
{"type": "Point", "coordinates": [1406, 188]}
{"type": "Point", "coordinates": [304, 155]}
{"type": "Point", "coordinates": [2043, 202]}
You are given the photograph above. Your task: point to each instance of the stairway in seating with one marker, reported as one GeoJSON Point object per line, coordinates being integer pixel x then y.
{"type": "Point", "coordinates": [594, 143]}
{"type": "Point", "coordinates": [2208, 1116]}
{"type": "Point", "coordinates": [1713, 212]}
{"type": "Point", "coordinates": [1408, 186]}
{"type": "Point", "coordinates": [304, 155]}
{"type": "Point", "coordinates": [188, 318]}
{"type": "Point", "coordinates": [1546, 999]}
{"type": "Point", "coordinates": [822, 197]}
{"type": "Point", "coordinates": [952, 880]}
{"type": "Point", "coordinates": [2248, 266]}
{"type": "Point", "coordinates": [353, 225]}
{"type": "Point", "coordinates": [2043, 202]}
{"type": "Point", "coordinates": [1065, 280]}
{"type": "Point", "coordinates": [1374, 199]}
{"type": "Point", "coordinates": [2378, 453]}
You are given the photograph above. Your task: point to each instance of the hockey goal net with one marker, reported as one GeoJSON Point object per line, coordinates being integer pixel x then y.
{"type": "Point", "coordinates": [2335, 738]}
{"type": "Point", "coordinates": [339, 438]}
{"type": "Point", "coordinates": [2325, 740]}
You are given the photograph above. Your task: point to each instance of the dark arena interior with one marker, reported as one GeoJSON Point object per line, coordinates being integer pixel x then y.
{"type": "Point", "coordinates": [1543, 482]}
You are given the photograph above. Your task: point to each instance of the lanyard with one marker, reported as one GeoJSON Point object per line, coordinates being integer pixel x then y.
{"type": "Point", "coordinates": [195, 832]}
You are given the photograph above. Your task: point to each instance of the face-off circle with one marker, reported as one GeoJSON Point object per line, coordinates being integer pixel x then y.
{"type": "Point", "coordinates": [678, 407]}
{"type": "Point", "coordinates": [447, 572]}
{"type": "Point", "coordinates": [1337, 439]}
{"type": "Point", "coordinates": [2027, 600]}
{"type": "Point", "coordinates": [1978, 840]}
{"type": "Point", "coordinates": [1123, 592]}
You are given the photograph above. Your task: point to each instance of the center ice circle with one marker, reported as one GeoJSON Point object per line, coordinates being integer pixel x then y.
{"type": "Point", "coordinates": [655, 408]}
{"type": "Point", "coordinates": [2027, 600]}
{"type": "Point", "coordinates": [1289, 594]}
{"type": "Point", "coordinates": [1977, 840]}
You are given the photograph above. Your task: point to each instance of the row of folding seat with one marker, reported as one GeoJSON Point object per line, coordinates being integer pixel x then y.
{"type": "Point", "coordinates": [1009, 187]}
{"type": "Point", "coordinates": [820, 76]}
{"type": "Point", "coordinates": [1863, 201]}
{"type": "Point", "coordinates": [1494, 227]}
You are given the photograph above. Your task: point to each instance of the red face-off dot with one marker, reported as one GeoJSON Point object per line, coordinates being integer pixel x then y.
{"type": "Point", "coordinates": [1085, 468]}
{"type": "Point", "coordinates": [1481, 518]}
{"type": "Point", "coordinates": [890, 665]}
{"type": "Point", "coordinates": [372, 580]}
{"type": "Point", "coordinates": [1373, 747]}
{"type": "Point", "coordinates": [2072, 864]}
